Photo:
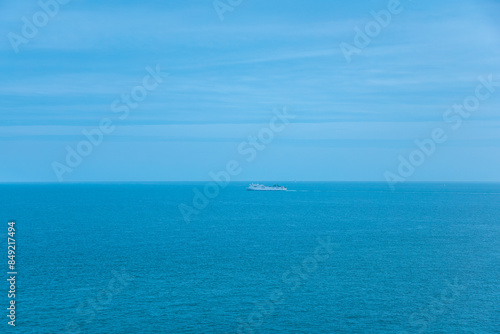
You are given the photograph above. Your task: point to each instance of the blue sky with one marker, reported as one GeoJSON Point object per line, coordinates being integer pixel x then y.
{"type": "Point", "coordinates": [227, 78]}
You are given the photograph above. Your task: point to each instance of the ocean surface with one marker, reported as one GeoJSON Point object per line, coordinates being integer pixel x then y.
{"type": "Point", "coordinates": [322, 258]}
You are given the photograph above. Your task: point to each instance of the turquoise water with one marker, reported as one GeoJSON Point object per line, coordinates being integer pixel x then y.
{"type": "Point", "coordinates": [326, 258]}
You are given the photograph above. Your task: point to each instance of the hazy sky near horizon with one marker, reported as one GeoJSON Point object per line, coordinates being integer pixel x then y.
{"type": "Point", "coordinates": [227, 78]}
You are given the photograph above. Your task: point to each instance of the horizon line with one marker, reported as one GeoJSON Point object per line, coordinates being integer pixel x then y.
{"type": "Point", "coordinates": [244, 181]}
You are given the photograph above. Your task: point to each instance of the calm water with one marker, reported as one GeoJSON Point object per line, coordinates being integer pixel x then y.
{"type": "Point", "coordinates": [120, 259]}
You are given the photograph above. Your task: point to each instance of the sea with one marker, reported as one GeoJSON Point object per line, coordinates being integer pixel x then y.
{"type": "Point", "coordinates": [323, 257]}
